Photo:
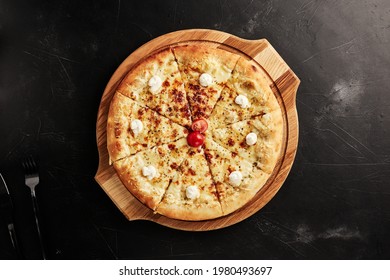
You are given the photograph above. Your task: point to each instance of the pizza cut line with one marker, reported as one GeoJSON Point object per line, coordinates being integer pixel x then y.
{"type": "Point", "coordinates": [194, 132]}
{"type": "Point", "coordinates": [135, 127]}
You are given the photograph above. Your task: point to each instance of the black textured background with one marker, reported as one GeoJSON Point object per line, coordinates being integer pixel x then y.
{"type": "Point", "coordinates": [57, 56]}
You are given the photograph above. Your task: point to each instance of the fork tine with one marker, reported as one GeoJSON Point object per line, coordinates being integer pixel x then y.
{"type": "Point", "coordinates": [29, 165]}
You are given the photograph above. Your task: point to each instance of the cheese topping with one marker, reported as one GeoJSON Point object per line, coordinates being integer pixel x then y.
{"type": "Point", "coordinates": [154, 84]}
{"type": "Point", "coordinates": [192, 192]}
{"type": "Point", "coordinates": [251, 139]}
{"type": "Point", "coordinates": [243, 101]}
{"type": "Point", "coordinates": [136, 126]}
{"type": "Point", "coordinates": [235, 178]}
{"type": "Point", "coordinates": [267, 118]}
{"type": "Point", "coordinates": [205, 80]}
{"type": "Point", "coordinates": [149, 171]}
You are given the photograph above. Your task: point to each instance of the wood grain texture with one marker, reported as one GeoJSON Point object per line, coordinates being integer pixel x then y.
{"type": "Point", "coordinates": [282, 81]}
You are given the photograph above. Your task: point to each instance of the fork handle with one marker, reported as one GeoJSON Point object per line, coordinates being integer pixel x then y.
{"type": "Point", "coordinates": [14, 240]}
{"type": "Point", "coordinates": [37, 215]}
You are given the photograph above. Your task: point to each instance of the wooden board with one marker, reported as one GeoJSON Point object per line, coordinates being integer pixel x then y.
{"type": "Point", "coordinates": [282, 81]}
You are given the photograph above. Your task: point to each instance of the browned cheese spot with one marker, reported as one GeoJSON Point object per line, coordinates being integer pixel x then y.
{"type": "Point", "coordinates": [161, 151]}
{"type": "Point", "coordinates": [199, 115]}
{"type": "Point", "coordinates": [230, 169]}
{"type": "Point", "coordinates": [215, 194]}
{"type": "Point", "coordinates": [221, 190]}
{"type": "Point", "coordinates": [178, 96]}
{"type": "Point", "coordinates": [185, 111]}
{"type": "Point", "coordinates": [117, 130]}
{"type": "Point", "coordinates": [166, 83]}
{"type": "Point", "coordinates": [177, 83]}
{"type": "Point", "coordinates": [208, 156]}
{"type": "Point", "coordinates": [248, 85]}
{"type": "Point", "coordinates": [194, 87]}
{"type": "Point", "coordinates": [191, 172]}
{"type": "Point", "coordinates": [198, 98]}
{"type": "Point", "coordinates": [157, 121]}
{"type": "Point", "coordinates": [141, 112]}
{"type": "Point", "coordinates": [254, 68]}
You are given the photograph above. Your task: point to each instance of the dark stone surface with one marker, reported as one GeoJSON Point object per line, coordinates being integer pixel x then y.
{"type": "Point", "coordinates": [57, 56]}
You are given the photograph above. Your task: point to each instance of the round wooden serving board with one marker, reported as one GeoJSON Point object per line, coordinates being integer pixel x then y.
{"type": "Point", "coordinates": [282, 81]}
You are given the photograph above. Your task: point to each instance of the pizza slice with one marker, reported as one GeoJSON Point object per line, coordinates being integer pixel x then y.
{"type": "Point", "coordinates": [156, 83]}
{"type": "Point", "coordinates": [148, 173]}
{"type": "Point", "coordinates": [204, 71]}
{"type": "Point", "coordinates": [132, 127]}
{"type": "Point", "coordinates": [237, 180]}
{"type": "Point", "coordinates": [247, 94]}
{"type": "Point", "coordinates": [192, 194]}
{"type": "Point", "coordinates": [258, 140]}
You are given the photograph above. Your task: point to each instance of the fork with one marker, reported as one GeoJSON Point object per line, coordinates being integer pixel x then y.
{"type": "Point", "coordinates": [31, 177]}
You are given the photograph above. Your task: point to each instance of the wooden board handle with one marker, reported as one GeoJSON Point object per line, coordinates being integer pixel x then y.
{"type": "Point", "coordinates": [263, 53]}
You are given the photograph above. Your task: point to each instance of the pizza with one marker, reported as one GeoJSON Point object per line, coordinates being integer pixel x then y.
{"type": "Point", "coordinates": [194, 132]}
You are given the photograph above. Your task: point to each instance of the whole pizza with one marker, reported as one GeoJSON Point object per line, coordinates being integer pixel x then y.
{"type": "Point", "coordinates": [194, 132]}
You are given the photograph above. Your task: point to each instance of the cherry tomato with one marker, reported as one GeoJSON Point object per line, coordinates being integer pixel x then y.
{"type": "Point", "coordinates": [195, 139]}
{"type": "Point", "coordinates": [200, 125]}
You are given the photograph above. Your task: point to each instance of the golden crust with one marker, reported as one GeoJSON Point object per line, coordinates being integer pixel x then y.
{"type": "Point", "coordinates": [180, 212]}
{"type": "Point", "coordinates": [117, 126]}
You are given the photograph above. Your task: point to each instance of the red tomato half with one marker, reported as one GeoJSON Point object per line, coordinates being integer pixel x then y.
{"type": "Point", "coordinates": [200, 125]}
{"type": "Point", "coordinates": [195, 139]}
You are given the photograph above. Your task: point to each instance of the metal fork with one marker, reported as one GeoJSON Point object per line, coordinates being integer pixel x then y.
{"type": "Point", "coordinates": [32, 180]}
